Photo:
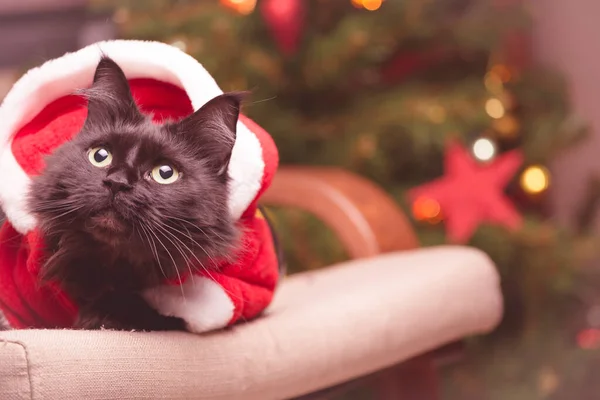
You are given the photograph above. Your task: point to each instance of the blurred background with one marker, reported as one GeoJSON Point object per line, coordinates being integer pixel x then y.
{"type": "Point", "coordinates": [499, 97]}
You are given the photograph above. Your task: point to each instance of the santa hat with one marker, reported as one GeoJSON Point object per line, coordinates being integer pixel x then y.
{"type": "Point", "coordinates": [41, 112]}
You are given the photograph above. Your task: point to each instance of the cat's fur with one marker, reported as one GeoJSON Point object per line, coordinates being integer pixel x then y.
{"type": "Point", "coordinates": [112, 232]}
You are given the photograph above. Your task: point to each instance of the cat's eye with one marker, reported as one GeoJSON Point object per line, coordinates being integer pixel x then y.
{"type": "Point", "coordinates": [165, 174]}
{"type": "Point", "coordinates": [100, 157]}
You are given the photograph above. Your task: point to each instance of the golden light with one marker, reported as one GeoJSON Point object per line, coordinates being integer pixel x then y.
{"type": "Point", "coordinates": [502, 71]}
{"type": "Point", "coordinates": [494, 108]}
{"type": "Point", "coordinates": [426, 209]}
{"type": "Point", "coordinates": [484, 149]}
{"type": "Point", "coordinates": [243, 7]}
{"type": "Point", "coordinates": [372, 5]}
{"type": "Point", "coordinates": [357, 3]}
{"type": "Point", "coordinates": [507, 126]}
{"type": "Point", "coordinates": [436, 113]}
{"type": "Point", "coordinates": [535, 179]}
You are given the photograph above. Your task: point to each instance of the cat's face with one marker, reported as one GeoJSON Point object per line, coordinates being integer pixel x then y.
{"type": "Point", "coordinates": [140, 190]}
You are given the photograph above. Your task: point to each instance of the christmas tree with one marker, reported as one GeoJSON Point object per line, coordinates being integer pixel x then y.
{"type": "Point", "coordinates": [437, 101]}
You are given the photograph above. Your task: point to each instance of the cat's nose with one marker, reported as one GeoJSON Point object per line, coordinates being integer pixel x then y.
{"type": "Point", "coordinates": [117, 184]}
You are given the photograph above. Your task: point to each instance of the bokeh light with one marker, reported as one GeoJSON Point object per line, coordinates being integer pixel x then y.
{"type": "Point", "coordinates": [427, 209]}
{"type": "Point", "coordinates": [535, 179]}
{"type": "Point", "coordinates": [243, 7]}
{"type": "Point", "coordinates": [495, 108]}
{"type": "Point", "coordinates": [370, 5]}
{"type": "Point", "coordinates": [484, 149]}
{"type": "Point", "coordinates": [589, 339]}
{"type": "Point", "coordinates": [502, 71]}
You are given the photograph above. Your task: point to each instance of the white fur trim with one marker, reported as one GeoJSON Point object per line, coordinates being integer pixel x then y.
{"type": "Point", "coordinates": [14, 189]}
{"type": "Point", "coordinates": [200, 302]}
{"type": "Point", "coordinates": [138, 59]}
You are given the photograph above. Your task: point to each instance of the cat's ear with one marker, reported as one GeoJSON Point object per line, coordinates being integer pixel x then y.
{"type": "Point", "coordinates": [213, 128]}
{"type": "Point", "coordinates": [109, 97]}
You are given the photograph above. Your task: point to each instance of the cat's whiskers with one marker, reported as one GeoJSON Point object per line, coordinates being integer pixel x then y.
{"type": "Point", "coordinates": [69, 211]}
{"type": "Point", "coordinates": [202, 231]}
{"type": "Point", "coordinates": [54, 201]}
{"type": "Point", "coordinates": [51, 207]}
{"type": "Point", "coordinates": [152, 245]}
{"type": "Point", "coordinates": [54, 208]}
{"type": "Point", "coordinates": [172, 259]}
{"type": "Point", "coordinates": [134, 232]}
{"type": "Point", "coordinates": [206, 270]}
{"type": "Point", "coordinates": [189, 236]}
{"type": "Point", "coordinates": [200, 246]}
{"type": "Point", "coordinates": [197, 227]}
{"type": "Point", "coordinates": [163, 232]}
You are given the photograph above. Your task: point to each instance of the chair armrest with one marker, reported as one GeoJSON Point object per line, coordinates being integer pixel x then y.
{"type": "Point", "coordinates": [377, 312]}
{"type": "Point", "coordinates": [366, 219]}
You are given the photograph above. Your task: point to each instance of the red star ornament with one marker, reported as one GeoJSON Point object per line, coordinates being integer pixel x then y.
{"type": "Point", "coordinates": [471, 193]}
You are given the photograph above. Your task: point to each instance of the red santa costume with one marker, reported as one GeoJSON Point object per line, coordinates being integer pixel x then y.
{"type": "Point", "coordinates": [41, 112]}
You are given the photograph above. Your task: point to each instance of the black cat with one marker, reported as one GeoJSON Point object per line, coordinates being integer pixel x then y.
{"type": "Point", "coordinates": [128, 203]}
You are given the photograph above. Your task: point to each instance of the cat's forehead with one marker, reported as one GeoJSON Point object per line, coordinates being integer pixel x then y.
{"type": "Point", "coordinates": [146, 140]}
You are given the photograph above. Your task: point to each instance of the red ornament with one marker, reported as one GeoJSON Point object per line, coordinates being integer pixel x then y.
{"type": "Point", "coordinates": [285, 20]}
{"type": "Point", "coordinates": [589, 339]}
{"type": "Point", "coordinates": [471, 193]}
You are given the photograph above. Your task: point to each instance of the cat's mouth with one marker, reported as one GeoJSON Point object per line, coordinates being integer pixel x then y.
{"type": "Point", "coordinates": [107, 224]}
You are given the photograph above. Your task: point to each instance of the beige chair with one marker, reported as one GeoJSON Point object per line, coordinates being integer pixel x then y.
{"type": "Point", "coordinates": [377, 319]}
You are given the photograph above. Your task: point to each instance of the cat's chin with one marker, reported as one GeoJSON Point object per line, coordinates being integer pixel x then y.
{"type": "Point", "coordinates": [106, 237]}
{"type": "Point", "coordinates": [107, 227]}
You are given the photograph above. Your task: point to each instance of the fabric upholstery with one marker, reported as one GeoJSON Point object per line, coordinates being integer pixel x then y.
{"type": "Point", "coordinates": [324, 328]}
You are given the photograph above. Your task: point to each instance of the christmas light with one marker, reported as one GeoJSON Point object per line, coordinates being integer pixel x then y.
{"type": "Point", "coordinates": [535, 179]}
{"type": "Point", "coordinates": [589, 339]}
{"type": "Point", "coordinates": [484, 149]}
{"type": "Point", "coordinates": [243, 7]}
{"type": "Point", "coordinates": [502, 71]}
{"type": "Point", "coordinates": [548, 381]}
{"type": "Point", "coordinates": [494, 108]}
{"type": "Point", "coordinates": [370, 5]}
{"type": "Point", "coordinates": [436, 113]}
{"type": "Point", "coordinates": [427, 209]}
{"type": "Point", "coordinates": [507, 126]}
